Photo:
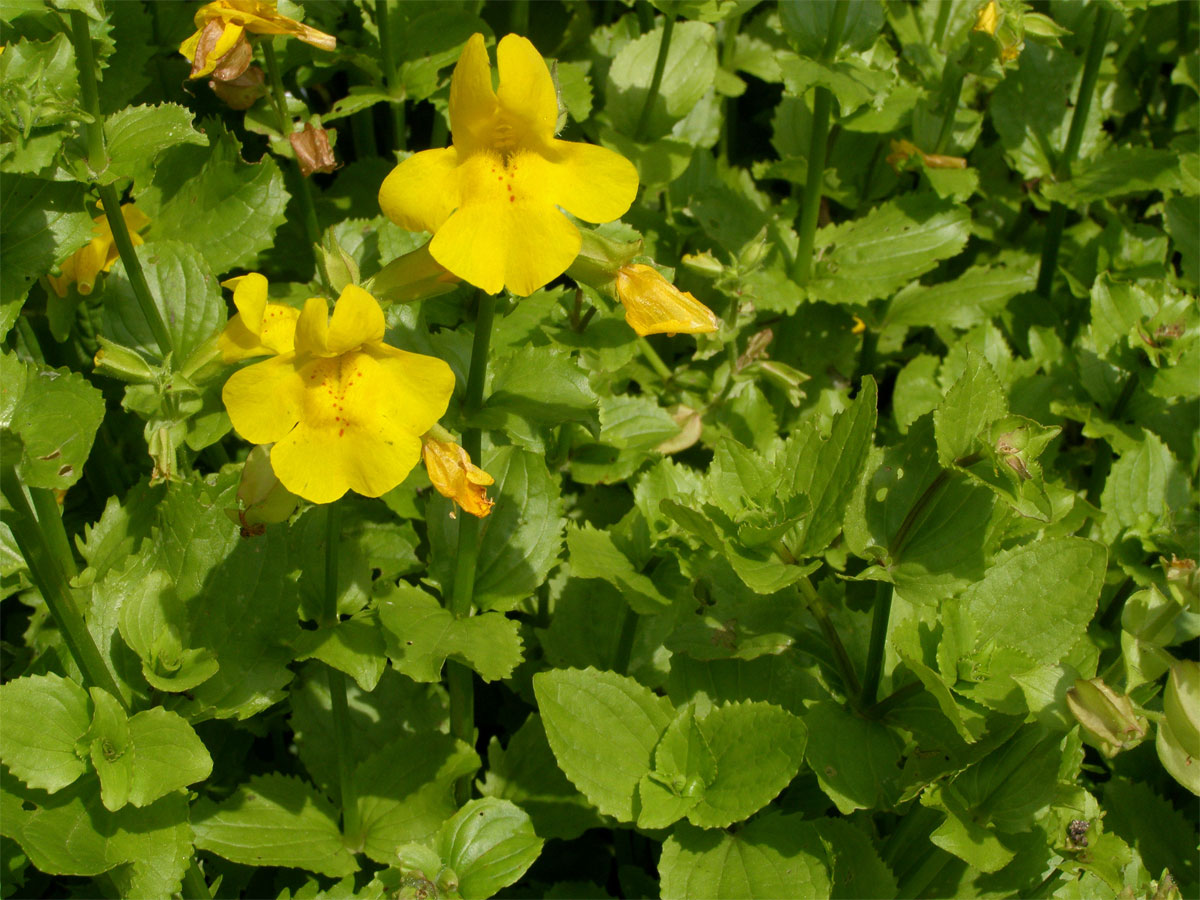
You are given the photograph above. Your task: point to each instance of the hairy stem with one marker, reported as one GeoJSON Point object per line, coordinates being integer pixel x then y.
{"type": "Point", "coordinates": [660, 64]}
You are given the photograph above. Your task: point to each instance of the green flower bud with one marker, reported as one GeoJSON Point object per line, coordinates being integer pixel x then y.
{"type": "Point", "coordinates": [599, 260]}
{"type": "Point", "coordinates": [117, 361]}
{"type": "Point", "coordinates": [1108, 720]}
{"type": "Point", "coordinates": [1181, 703]}
{"type": "Point", "coordinates": [263, 499]}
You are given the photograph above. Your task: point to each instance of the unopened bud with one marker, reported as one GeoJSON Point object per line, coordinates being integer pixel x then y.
{"type": "Point", "coordinates": [241, 92]}
{"type": "Point", "coordinates": [312, 150]}
{"type": "Point", "coordinates": [987, 17]}
{"type": "Point", "coordinates": [414, 276]}
{"type": "Point", "coordinates": [1108, 719]}
{"type": "Point", "coordinates": [263, 498]}
{"type": "Point", "coordinates": [1181, 703]}
{"type": "Point", "coordinates": [116, 361]}
{"type": "Point", "coordinates": [599, 259]}
{"type": "Point", "coordinates": [704, 264]}
{"type": "Point", "coordinates": [339, 266]}
{"type": "Point", "coordinates": [456, 477]}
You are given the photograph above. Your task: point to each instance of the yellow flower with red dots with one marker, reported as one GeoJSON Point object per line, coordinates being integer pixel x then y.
{"type": "Point", "coordinates": [344, 410]}
{"type": "Point", "coordinates": [493, 200]}
{"type": "Point", "coordinates": [259, 328]}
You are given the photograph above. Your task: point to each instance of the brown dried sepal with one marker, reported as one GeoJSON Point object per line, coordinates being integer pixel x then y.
{"type": "Point", "coordinates": [241, 92]}
{"type": "Point", "coordinates": [312, 150]}
{"type": "Point", "coordinates": [232, 64]}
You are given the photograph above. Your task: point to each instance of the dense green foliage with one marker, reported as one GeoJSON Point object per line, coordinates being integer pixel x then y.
{"type": "Point", "coordinates": [887, 588]}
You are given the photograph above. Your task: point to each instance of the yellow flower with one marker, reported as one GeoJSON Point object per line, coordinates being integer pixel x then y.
{"type": "Point", "coordinates": [259, 328]}
{"type": "Point", "coordinates": [99, 254]}
{"type": "Point", "coordinates": [987, 17]}
{"type": "Point", "coordinates": [223, 26]}
{"type": "Point", "coordinates": [655, 306]}
{"type": "Point", "coordinates": [455, 476]}
{"type": "Point", "coordinates": [492, 200]}
{"type": "Point", "coordinates": [344, 410]}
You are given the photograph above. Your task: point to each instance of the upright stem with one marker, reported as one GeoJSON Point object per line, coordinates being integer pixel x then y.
{"type": "Point", "coordinates": [518, 17]}
{"type": "Point", "coordinates": [459, 679]}
{"type": "Point", "coordinates": [845, 665]}
{"type": "Point", "coordinates": [133, 269]}
{"type": "Point", "coordinates": [952, 86]}
{"type": "Point", "coordinates": [51, 578]}
{"type": "Point", "coordinates": [651, 356]}
{"type": "Point", "coordinates": [879, 630]}
{"type": "Point", "coordinates": [817, 146]}
{"type": "Point", "coordinates": [395, 108]}
{"type": "Point", "coordinates": [1062, 170]}
{"type": "Point", "coordinates": [625, 642]}
{"type": "Point", "coordinates": [312, 230]}
{"type": "Point", "coordinates": [664, 47]}
{"type": "Point", "coordinates": [85, 61]}
{"type": "Point", "coordinates": [729, 104]}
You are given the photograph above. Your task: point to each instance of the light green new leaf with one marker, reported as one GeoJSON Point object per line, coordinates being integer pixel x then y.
{"type": "Point", "coordinates": [758, 748]}
{"type": "Point", "coordinates": [1125, 170]}
{"type": "Point", "coordinates": [963, 835]}
{"type": "Point", "coordinates": [406, 791]}
{"type": "Point", "coordinates": [109, 745]}
{"type": "Point", "coordinates": [44, 718]}
{"type": "Point", "coordinates": [1146, 490]}
{"type": "Point", "coordinates": [691, 66]}
{"type": "Point", "coordinates": [152, 622]}
{"type": "Point", "coordinates": [55, 412]}
{"type": "Point", "coordinates": [594, 555]}
{"type": "Point", "coordinates": [854, 759]}
{"type": "Point", "coordinates": [683, 767]}
{"type": "Point", "coordinates": [274, 820]}
{"type": "Point", "coordinates": [1038, 598]}
{"type": "Point", "coordinates": [41, 224]}
{"type": "Point", "coordinates": [543, 387]}
{"type": "Point", "coordinates": [226, 208]}
{"type": "Point", "coordinates": [858, 870]}
{"type": "Point", "coordinates": [973, 403]}
{"type": "Point", "coordinates": [420, 635]}
{"type": "Point", "coordinates": [489, 844]}
{"type": "Point", "coordinates": [136, 135]}
{"type": "Point", "coordinates": [167, 755]}
{"type": "Point", "coordinates": [603, 729]}
{"type": "Point", "coordinates": [851, 81]}
{"type": "Point", "coordinates": [869, 257]}
{"type": "Point", "coordinates": [777, 856]}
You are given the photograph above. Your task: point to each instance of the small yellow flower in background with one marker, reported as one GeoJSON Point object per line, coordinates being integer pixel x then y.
{"type": "Point", "coordinates": [987, 17]}
{"type": "Point", "coordinates": [221, 40]}
{"type": "Point", "coordinates": [655, 306]}
{"type": "Point", "coordinates": [99, 254]}
{"type": "Point", "coordinates": [492, 200]}
{"type": "Point", "coordinates": [456, 477]}
{"type": "Point", "coordinates": [344, 410]}
{"type": "Point", "coordinates": [859, 325]}
{"type": "Point", "coordinates": [259, 328]}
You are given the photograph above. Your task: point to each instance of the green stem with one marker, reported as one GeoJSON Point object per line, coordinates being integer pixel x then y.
{"type": "Point", "coordinates": [460, 681]}
{"type": "Point", "coordinates": [194, 886]}
{"type": "Point", "coordinates": [49, 516]}
{"type": "Point", "coordinates": [624, 651]}
{"type": "Point", "coordinates": [728, 104]}
{"type": "Point", "coordinates": [1062, 169]}
{"type": "Point", "coordinates": [879, 630]}
{"type": "Point", "coordinates": [133, 269]}
{"type": "Point", "coordinates": [312, 229]}
{"type": "Point", "coordinates": [895, 698]}
{"type": "Point", "coordinates": [817, 147]}
{"type": "Point", "coordinates": [29, 340]}
{"type": "Point", "coordinates": [651, 356]}
{"type": "Point", "coordinates": [85, 62]}
{"type": "Point", "coordinates": [518, 17]}
{"type": "Point", "coordinates": [901, 536]}
{"type": "Point", "coordinates": [52, 580]}
{"type": "Point", "coordinates": [939, 25]}
{"type": "Point", "coordinates": [660, 64]}
{"type": "Point", "coordinates": [952, 86]}
{"type": "Point", "coordinates": [845, 665]}
{"type": "Point", "coordinates": [395, 109]}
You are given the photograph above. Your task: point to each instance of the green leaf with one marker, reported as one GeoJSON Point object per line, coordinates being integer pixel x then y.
{"type": "Point", "coordinates": [1125, 170]}
{"type": "Point", "coordinates": [854, 759]}
{"type": "Point", "coordinates": [973, 297]}
{"type": "Point", "coordinates": [962, 835]}
{"type": "Point", "coordinates": [273, 820]}
{"type": "Point", "coordinates": [1163, 835]}
{"type": "Point", "coordinates": [774, 678]}
{"type": "Point", "coordinates": [1039, 598]}
{"type": "Point", "coordinates": [226, 208]}
{"type": "Point", "coordinates": [406, 791]}
{"type": "Point", "coordinates": [774, 856]}
{"type": "Point", "coordinates": [594, 555]}
{"type": "Point", "coordinates": [541, 386]}
{"type": "Point", "coordinates": [489, 844]}
{"type": "Point", "coordinates": [153, 622]}
{"type": "Point", "coordinates": [184, 291]}
{"type": "Point", "coordinates": [420, 636]}
{"type": "Point", "coordinates": [519, 542]}
{"type": "Point", "coordinates": [872, 256]}
{"type": "Point", "coordinates": [858, 870]}
{"type": "Point", "coordinates": [827, 470]}
{"type": "Point", "coordinates": [603, 729]}
{"type": "Point", "coordinates": [851, 81]}
{"type": "Point", "coordinates": [355, 646]}
{"type": "Point", "coordinates": [71, 833]}
{"type": "Point", "coordinates": [56, 415]}
{"type": "Point", "coordinates": [110, 749]}
{"type": "Point", "coordinates": [44, 222]}
{"type": "Point", "coordinates": [526, 773]}
{"type": "Point", "coordinates": [1146, 490]}
{"type": "Point", "coordinates": [758, 749]}
{"type": "Point", "coordinates": [1185, 235]}
{"type": "Point", "coordinates": [167, 755]}
{"type": "Point", "coordinates": [684, 767]}
{"type": "Point", "coordinates": [44, 718]}
{"type": "Point", "coordinates": [136, 135]}
{"type": "Point", "coordinates": [973, 403]}
{"type": "Point", "coordinates": [807, 25]}
{"type": "Point", "coordinates": [691, 66]}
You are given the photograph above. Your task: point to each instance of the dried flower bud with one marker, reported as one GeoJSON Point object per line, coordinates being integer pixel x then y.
{"type": "Point", "coordinates": [655, 306]}
{"type": "Point", "coordinates": [235, 52]}
{"type": "Point", "coordinates": [456, 477]}
{"type": "Point", "coordinates": [1107, 717]}
{"type": "Point", "coordinates": [312, 150]}
{"type": "Point", "coordinates": [241, 92]}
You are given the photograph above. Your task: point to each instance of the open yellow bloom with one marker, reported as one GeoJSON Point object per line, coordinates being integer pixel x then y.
{"type": "Point", "coordinates": [492, 200]}
{"type": "Point", "coordinates": [655, 306]}
{"type": "Point", "coordinates": [456, 477]}
{"type": "Point", "coordinates": [222, 31]}
{"type": "Point", "coordinates": [82, 267]}
{"type": "Point", "coordinates": [259, 328]}
{"type": "Point", "coordinates": [344, 410]}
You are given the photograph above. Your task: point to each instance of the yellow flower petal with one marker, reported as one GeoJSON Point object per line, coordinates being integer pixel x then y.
{"type": "Point", "coordinates": [321, 465]}
{"type": "Point", "coordinates": [418, 387]}
{"type": "Point", "coordinates": [422, 192]}
{"type": "Point", "coordinates": [590, 182]}
{"type": "Point", "coordinates": [507, 232]}
{"type": "Point", "coordinates": [456, 477]}
{"type": "Point", "coordinates": [264, 400]}
{"type": "Point", "coordinates": [526, 92]}
{"type": "Point", "coordinates": [473, 103]}
{"type": "Point", "coordinates": [357, 319]}
{"type": "Point", "coordinates": [250, 298]}
{"type": "Point", "coordinates": [312, 328]}
{"type": "Point", "coordinates": [259, 328]}
{"type": "Point", "coordinates": [655, 306]}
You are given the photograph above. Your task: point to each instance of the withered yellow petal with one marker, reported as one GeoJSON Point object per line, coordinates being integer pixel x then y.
{"type": "Point", "coordinates": [655, 306]}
